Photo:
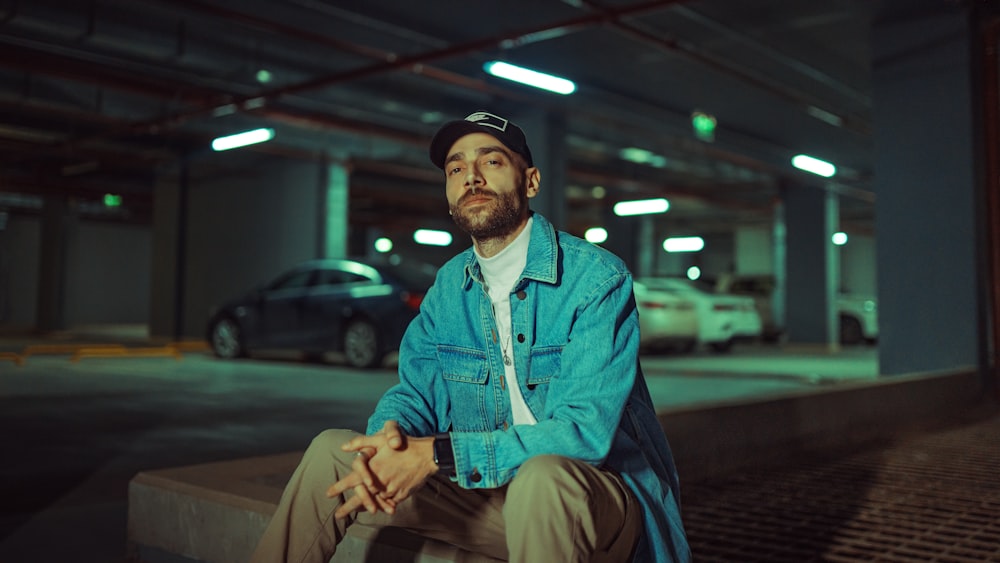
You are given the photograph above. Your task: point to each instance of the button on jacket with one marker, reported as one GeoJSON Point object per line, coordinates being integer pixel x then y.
{"type": "Point", "coordinates": [576, 339]}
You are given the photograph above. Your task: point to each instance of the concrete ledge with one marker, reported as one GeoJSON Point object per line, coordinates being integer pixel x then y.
{"type": "Point", "coordinates": [715, 440]}
{"type": "Point", "coordinates": [214, 513]}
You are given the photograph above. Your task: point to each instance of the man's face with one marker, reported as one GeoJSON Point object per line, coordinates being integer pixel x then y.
{"type": "Point", "coordinates": [487, 189]}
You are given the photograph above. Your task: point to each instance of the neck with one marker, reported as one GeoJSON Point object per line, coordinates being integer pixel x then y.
{"type": "Point", "coordinates": [490, 247]}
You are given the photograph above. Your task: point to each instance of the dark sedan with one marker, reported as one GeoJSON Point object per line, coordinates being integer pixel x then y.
{"type": "Point", "coordinates": [356, 307]}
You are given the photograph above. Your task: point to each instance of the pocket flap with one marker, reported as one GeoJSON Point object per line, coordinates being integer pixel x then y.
{"type": "Point", "coordinates": [462, 364]}
{"type": "Point", "coordinates": [546, 363]}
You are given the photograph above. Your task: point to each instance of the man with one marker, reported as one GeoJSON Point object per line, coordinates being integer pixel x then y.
{"type": "Point", "coordinates": [521, 427]}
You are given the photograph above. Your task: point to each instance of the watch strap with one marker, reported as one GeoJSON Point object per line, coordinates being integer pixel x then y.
{"type": "Point", "coordinates": [444, 455]}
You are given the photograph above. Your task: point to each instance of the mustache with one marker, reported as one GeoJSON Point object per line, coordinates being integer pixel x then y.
{"type": "Point", "coordinates": [477, 193]}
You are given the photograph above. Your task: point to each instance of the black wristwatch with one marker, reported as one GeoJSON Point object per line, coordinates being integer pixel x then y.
{"type": "Point", "coordinates": [444, 456]}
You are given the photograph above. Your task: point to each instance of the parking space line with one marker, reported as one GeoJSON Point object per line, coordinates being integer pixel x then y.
{"type": "Point", "coordinates": [65, 349]}
{"type": "Point", "coordinates": [148, 352]}
{"type": "Point", "coordinates": [12, 356]}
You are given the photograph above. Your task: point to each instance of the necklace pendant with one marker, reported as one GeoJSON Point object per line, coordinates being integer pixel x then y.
{"type": "Point", "coordinates": [506, 359]}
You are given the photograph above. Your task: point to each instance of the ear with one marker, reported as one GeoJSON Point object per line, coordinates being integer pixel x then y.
{"type": "Point", "coordinates": [532, 178]}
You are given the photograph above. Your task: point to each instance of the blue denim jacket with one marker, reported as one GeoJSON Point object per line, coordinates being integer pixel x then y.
{"type": "Point", "coordinates": [576, 338]}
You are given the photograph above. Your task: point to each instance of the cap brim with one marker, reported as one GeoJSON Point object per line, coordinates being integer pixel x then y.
{"type": "Point", "coordinates": [448, 134]}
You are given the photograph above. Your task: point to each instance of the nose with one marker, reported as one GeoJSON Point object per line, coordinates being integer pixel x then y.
{"type": "Point", "coordinates": [473, 180]}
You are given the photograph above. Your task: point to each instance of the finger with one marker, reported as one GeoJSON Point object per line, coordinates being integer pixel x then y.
{"type": "Point", "coordinates": [367, 498]}
{"type": "Point", "coordinates": [353, 445]}
{"type": "Point", "coordinates": [386, 504]}
{"type": "Point", "coordinates": [360, 468]}
{"type": "Point", "coordinates": [373, 442]}
{"type": "Point", "coordinates": [349, 507]}
{"type": "Point", "coordinates": [344, 485]}
{"type": "Point", "coordinates": [392, 434]}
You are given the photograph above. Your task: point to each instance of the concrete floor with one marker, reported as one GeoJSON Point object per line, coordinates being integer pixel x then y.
{"type": "Point", "coordinates": [76, 432]}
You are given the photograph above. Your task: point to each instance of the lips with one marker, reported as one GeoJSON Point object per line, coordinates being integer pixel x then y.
{"type": "Point", "coordinates": [477, 199]}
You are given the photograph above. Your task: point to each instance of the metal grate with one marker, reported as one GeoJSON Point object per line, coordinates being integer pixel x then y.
{"type": "Point", "coordinates": [929, 497]}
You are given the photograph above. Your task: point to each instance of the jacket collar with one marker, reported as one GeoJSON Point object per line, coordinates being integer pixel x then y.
{"type": "Point", "coordinates": [543, 256]}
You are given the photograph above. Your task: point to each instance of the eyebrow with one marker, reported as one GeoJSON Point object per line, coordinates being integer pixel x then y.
{"type": "Point", "coordinates": [480, 152]}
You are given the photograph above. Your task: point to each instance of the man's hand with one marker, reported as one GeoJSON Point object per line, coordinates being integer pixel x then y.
{"type": "Point", "coordinates": [388, 469]}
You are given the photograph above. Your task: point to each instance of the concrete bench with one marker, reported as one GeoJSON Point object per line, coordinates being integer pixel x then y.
{"type": "Point", "coordinates": [216, 512]}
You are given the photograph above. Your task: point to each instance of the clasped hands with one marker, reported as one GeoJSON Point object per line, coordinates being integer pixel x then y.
{"type": "Point", "coordinates": [387, 469]}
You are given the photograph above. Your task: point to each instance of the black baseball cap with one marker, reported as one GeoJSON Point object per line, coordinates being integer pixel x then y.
{"type": "Point", "coordinates": [479, 122]}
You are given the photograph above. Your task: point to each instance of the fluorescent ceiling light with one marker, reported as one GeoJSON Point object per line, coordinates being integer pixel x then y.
{"type": "Point", "coordinates": [814, 165]}
{"type": "Point", "coordinates": [431, 237]}
{"type": "Point", "coordinates": [242, 139]}
{"type": "Point", "coordinates": [641, 207]}
{"type": "Point", "coordinates": [684, 244]}
{"type": "Point", "coordinates": [596, 235]}
{"type": "Point", "coordinates": [642, 156]}
{"type": "Point", "coordinates": [823, 115]}
{"type": "Point", "coordinates": [530, 77]}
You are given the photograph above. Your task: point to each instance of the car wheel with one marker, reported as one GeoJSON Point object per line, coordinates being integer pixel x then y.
{"type": "Point", "coordinates": [227, 341]}
{"type": "Point", "coordinates": [723, 346]}
{"type": "Point", "coordinates": [361, 344]}
{"type": "Point", "coordinates": [850, 330]}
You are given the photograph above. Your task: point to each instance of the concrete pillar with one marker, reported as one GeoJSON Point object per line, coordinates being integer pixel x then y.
{"type": "Point", "coordinates": [812, 266]}
{"type": "Point", "coordinates": [58, 221]}
{"type": "Point", "coordinates": [779, 242]}
{"type": "Point", "coordinates": [547, 138]}
{"type": "Point", "coordinates": [169, 244]}
{"type": "Point", "coordinates": [622, 236]}
{"type": "Point", "coordinates": [645, 245]}
{"type": "Point", "coordinates": [927, 118]}
{"type": "Point", "coordinates": [334, 200]}
{"type": "Point", "coordinates": [753, 251]}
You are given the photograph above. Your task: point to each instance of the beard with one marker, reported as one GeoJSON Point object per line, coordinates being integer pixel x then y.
{"type": "Point", "coordinates": [495, 219]}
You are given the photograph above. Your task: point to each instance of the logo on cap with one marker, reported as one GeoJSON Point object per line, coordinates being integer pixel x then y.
{"type": "Point", "coordinates": [488, 120]}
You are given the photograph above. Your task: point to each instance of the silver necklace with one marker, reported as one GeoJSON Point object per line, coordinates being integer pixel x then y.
{"type": "Point", "coordinates": [504, 349]}
{"type": "Point", "coordinates": [510, 336]}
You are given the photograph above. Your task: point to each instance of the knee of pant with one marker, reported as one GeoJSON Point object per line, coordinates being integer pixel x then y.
{"type": "Point", "coordinates": [330, 440]}
{"type": "Point", "coordinates": [546, 477]}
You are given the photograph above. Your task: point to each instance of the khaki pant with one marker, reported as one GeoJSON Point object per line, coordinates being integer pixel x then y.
{"type": "Point", "coordinates": [556, 509]}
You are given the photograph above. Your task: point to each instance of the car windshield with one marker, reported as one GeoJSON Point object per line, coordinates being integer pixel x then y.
{"type": "Point", "coordinates": [412, 274]}
{"type": "Point", "coordinates": [292, 280]}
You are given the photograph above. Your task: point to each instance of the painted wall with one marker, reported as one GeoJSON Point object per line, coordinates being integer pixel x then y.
{"type": "Point", "coordinates": [19, 247]}
{"type": "Point", "coordinates": [249, 218]}
{"type": "Point", "coordinates": [107, 274]}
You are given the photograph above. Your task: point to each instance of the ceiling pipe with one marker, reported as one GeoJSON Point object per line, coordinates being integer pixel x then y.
{"type": "Point", "coordinates": [508, 40]}
{"type": "Point", "coordinates": [245, 102]}
{"type": "Point", "coordinates": [802, 68]}
{"type": "Point", "coordinates": [417, 64]}
{"type": "Point", "coordinates": [760, 82]}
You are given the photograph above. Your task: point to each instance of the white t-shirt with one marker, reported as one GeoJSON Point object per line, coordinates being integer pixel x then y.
{"type": "Point", "coordinates": [501, 272]}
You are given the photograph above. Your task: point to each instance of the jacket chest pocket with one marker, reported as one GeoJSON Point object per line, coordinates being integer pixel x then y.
{"type": "Point", "coordinates": [465, 374]}
{"type": "Point", "coordinates": [546, 363]}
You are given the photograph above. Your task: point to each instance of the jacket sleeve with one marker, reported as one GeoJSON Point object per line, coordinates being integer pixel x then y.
{"type": "Point", "coordinates": [585, 400]}
{"type": "Point", "coordinates": [419, 402]}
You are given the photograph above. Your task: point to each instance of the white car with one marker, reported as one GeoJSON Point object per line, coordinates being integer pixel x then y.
{"type": "Point", "coordinates": [666, 320]}
{"type": "Point", "coordinates": [857, 314]}
{"type": "Point", "coordinates": [722, 318]}
{"type": "Point", "coordinates": [858, 318]}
